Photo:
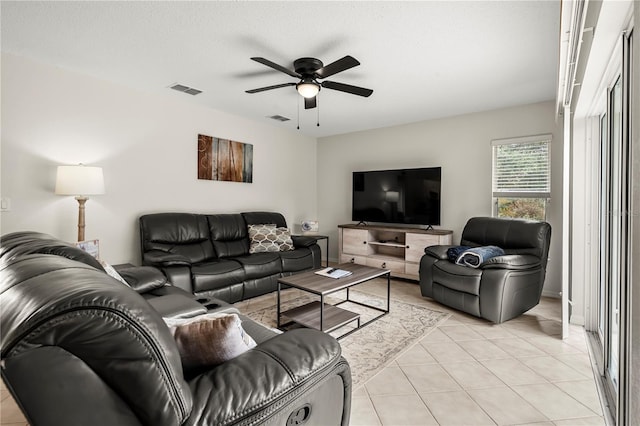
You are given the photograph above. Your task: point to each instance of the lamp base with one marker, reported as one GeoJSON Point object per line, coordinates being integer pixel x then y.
{"type": "Point", "coordinates": [81, 224]}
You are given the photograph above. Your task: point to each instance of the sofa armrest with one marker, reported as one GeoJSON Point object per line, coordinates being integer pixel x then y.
{"type": "Point", "coordinates": [162, 258]}
{"type": "Point", "coordinates": [143, 278]}
{"type": "Point", "coordinates": [303, 241]}
{"type": "Point", "coordinates": [439, 252]}
{"type": "Point", "coordinates": [512, 261]}
{"type": "Point", "coordinates": [274, 374]}
{"type": "Point", "coordinates": [176, 306]}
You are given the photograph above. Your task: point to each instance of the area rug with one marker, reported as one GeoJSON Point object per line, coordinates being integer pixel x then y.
{"type": "Point", "coordinates": [374, 346]}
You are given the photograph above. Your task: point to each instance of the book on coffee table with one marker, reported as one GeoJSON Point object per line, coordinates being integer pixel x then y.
{"type": "Point", "coordinates": [333, 272]}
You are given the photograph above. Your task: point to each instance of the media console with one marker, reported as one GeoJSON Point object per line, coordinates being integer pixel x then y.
{"type": "Point", "coordinates": [394, 248]}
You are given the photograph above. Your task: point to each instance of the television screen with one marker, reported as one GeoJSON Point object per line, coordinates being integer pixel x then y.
{"type": "Point", "coordinates": [409, 196]}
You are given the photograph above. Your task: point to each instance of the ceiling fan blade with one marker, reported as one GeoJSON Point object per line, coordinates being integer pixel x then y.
{"type": "Point", "coordinates": [309, 103]}
{"type": "Point", "coordinates": [337, 66]}
{"type": "Point", "coordinates": [275, 66]}
{"type": "Point", "coordinates": [354, 90]}
{"type": "Point", "coordinates": [277, 86]}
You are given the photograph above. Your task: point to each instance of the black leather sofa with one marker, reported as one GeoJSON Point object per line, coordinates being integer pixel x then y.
{"type": "Point", "coordinates": [79, 347]}
{"type": "Point", "coordinates": [208, 255]}
{"type": "Point", "coordinates": [502, 287]}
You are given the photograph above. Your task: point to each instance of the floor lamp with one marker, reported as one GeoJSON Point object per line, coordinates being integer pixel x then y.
{"type": "Point", "coordinates": [80, 181]}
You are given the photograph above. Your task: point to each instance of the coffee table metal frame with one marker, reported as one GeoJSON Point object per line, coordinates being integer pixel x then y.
{"type": "Point", "coordinates": [328, 317]}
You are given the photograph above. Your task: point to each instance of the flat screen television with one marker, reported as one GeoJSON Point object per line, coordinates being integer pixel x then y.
{"type": "Point", "coordinates": [407, 196]}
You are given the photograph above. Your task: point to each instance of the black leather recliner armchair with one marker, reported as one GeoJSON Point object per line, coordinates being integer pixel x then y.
{"type": "Point", "coordinates": [81, 348]}
{"type": "Point", "coordinates": [502, 287]}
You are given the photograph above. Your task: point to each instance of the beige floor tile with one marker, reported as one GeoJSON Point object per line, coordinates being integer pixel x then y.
{"type": "Point", "coordinates": [430, 378]}
{"type": "Point", "coordinates": [359, 391]}
{"type": "Point", "coordinates": [527, 329]}
{"type": "Point", "coordinates": [483, 349]}
{"type": "Point", "coordinates": [10, 413]}
{"type": "Point", "coordinates": [506, 407]}
{"type": "Point", "coordinates": [472, 375]}
{"type": "Point", "coordinates": [415, 355]}
{"type": "Point", "coordinates": [491, 331]}
{"type": "Point", "coordinates": [460, 332]}
{"type": "Point", "coordinates": [447, 352]}
{"type": "Point", "coordinates": [552, 369]}
{"type": "Point", "coordinates": [435, 336]}
{"type": "Point", "coordinates": [518, 347]}
{"type": "Point", "coordinates": [577, 339]}
{"type": "Point", "coordinates": [551, 327]}
{"type": "Point", "coordinates": [536, 424]}
{"type": "Point", "coordinates": [552, 345]}
{"type": "Point", "coordinates": [455, 408]}
{"type": "Point", "coordinates": [552, 401]}
{"type": "Point", "coordinates": [390, 381]}
{"type": "Point", "coordinates": [585, 392]}
{"type": "Point", "coordinates": [402, 410]}
{"type": "Point", "coordinates": [362, 412]}
{"type": "Point", "coordinates": [578, 361]}
{"type": "Point", "coordinates": [586, 421]}
{"type": "Point", "coordinates": [513, 372]}
{"type": "Point", "coordinates": [464, 318]}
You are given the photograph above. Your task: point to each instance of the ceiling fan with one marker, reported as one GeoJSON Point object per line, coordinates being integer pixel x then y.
{"type": "Point", "coordinates": [309, 71]}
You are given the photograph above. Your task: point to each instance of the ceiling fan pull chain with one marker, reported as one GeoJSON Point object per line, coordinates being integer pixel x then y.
{"type": "Point", "coordinates": [298, 113]}
{"type": "Point", "coordinates": [318, 110]}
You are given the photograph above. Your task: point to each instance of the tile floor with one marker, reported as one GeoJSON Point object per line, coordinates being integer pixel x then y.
{"type": "Point", "coordinates": [470, 372]}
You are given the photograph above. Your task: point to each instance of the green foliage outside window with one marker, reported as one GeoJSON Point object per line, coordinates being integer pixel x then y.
{"type": "Point", "coordinates": [526, 208]}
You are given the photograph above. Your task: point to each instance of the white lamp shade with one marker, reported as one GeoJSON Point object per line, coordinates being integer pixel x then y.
{"type": "Point", "coordinates": [79, 180]}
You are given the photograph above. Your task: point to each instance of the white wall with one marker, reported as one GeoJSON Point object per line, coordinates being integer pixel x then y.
{"type": "Point", "coordinates": [147, 147]}
{"type": "Point", "coordinates": [461, 146]}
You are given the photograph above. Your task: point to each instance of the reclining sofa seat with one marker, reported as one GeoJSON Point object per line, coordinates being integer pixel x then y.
{"type": "Point", "coordinates": [208, 255]}
{"type": "Point", "coordinates": [502, 287]}
{"type": "Point", "coordinates": [78, 347]}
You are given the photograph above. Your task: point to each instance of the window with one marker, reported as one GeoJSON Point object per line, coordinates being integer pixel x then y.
{"type": "Point", "coordinates": [522, 177]}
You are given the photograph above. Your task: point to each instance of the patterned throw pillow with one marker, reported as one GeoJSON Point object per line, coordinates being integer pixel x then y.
{"type": "Point", "coordinates": [269, 238]}
{"type": "Point", "coordinates": [284, 239]}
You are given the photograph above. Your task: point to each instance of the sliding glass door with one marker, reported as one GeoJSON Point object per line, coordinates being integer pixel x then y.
{"type": "Point", "coordinates": [614, 243]}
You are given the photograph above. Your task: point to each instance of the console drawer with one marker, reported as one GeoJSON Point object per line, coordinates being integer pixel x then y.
{"type": "Point", "coordinates": [392, 265]}
{"type": "Point", "coordinates": [348, 258]}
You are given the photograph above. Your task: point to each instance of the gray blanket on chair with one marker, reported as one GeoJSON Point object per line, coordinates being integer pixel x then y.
{"type": "Point", "coordinates": [474, 257]}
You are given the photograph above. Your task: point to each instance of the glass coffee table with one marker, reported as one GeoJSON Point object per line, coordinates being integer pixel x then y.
{"type": "Point", "coordinates": [322, 315]}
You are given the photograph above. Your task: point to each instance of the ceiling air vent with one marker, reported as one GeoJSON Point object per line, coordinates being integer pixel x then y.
{"type": "Point", "coordinates": [279, 118]}
{"type": "Point", "coordinates": [186, 89]}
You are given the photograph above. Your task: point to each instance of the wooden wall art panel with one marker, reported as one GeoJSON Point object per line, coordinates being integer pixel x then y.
{"type": "Point", "coordinates": [224, 159]}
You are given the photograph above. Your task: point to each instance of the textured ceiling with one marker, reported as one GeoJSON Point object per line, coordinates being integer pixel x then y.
{"type": "Point", "coordinates": [423, 60]}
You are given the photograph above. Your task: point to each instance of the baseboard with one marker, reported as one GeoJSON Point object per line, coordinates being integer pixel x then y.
{"type": "Point", "coordinates": [552, 294]}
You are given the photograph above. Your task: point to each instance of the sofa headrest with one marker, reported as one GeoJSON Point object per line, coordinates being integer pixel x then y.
{"type": "Point", "coordinates": [512, 235]}
{"type": "Point", "coordinates": [28, 242]}
{"type": "Point", "coordinates": [185, 234]}
{"type": "Point", "coordinates": [258, 218]}
{"type": "Point", "coordinates": [228, 234]}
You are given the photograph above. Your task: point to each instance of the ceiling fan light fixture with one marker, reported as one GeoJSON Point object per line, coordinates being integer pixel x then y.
{"type": "Point", "coordinates": [308, 89]}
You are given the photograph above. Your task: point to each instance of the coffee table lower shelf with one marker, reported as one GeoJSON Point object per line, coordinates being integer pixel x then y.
{"type": "Point", "coordinates": [332, 317]}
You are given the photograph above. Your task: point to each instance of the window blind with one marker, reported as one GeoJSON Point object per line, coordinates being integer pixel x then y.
{"type": "Point", "coordinates": [522, 167]}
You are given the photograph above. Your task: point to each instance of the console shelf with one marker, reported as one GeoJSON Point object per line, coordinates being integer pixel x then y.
{"type": "Point", "coordinates": [398, 249]}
